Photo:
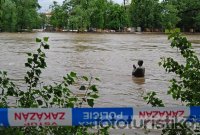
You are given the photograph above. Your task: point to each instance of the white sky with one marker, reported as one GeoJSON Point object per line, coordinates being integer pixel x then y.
{"type": "Point", "coordinates": [45, 3]}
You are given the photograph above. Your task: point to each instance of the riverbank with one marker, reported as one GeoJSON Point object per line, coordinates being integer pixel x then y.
{"type": "Point", "coordinates": [75, 32]}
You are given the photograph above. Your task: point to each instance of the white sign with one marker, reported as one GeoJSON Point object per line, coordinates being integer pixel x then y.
{"type": "Point", "coordinates": [40, 117]}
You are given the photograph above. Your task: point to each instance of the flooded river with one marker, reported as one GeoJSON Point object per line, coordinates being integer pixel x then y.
{"type": "Point", "coordinates": [107, 56]}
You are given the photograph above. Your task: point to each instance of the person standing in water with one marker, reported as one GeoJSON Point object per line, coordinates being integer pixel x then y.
{"type": "Point", "coordinates": [140, 71]}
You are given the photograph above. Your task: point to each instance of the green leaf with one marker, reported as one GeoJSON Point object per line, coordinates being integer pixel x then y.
{"type": "Point", "coordinates": [30, 74]}
{"type": "Point", "coordinates": [20, 133]}
{"type": "Point", "coordinates": [90, 102]}
{"type": "Point", "coordinates": [55, 99]}
{"type": "Point", "coordinates": [58, 93]}
{"type": "Point", "coordinates": [93, 88]}
{"type": "Point", "coordinates": [49, 96]}
{"type": "Point", "coordinates": [40, 102]}
{"type": "Point", "coordinates": [28, 65]}
{"type": "Point", "coordinates": [46, 46]}
{"type": "Point", "coordinates": [45, 87]}
{"type": "Point", "coordinates": [26, 79]}
{"type": "Point", "coordinates": [35, 56]}
{"type": "Point", "coordinates": [97, 79]}
{"type": "Point", "coordinates": [85, 78]}
{"type": "Point", "coordinates": [42, 55]}
{"type": "Point", "coordinates": [38, 40]}
{"type": "Point", "coordinates": [73, 74]}
{"type": "Point", "coordinates": [30, 60]}
{"type": "Point", "coordinates": [39, 50]}
{"type": "Point", "coordinates": [46, 39]}
{"type": "Point", "coordinates": [69, 105]}
{"type": "Point", "coordinates": [82, 87]}
{"type": "Point", "coordinates": [10, 91]}
{"type": "Point", "coordinates": [145, 98]}
{"type": "Point", "coordinates": [4, 73]}
{"type": "Point", "coordinates": [94, 96]}
{"type": "Point", "coordinates": [38, 72]}
{"type": "Point", "coordinates": [29, 54]}
{"type": "Point", "coordinates": [34, 105]}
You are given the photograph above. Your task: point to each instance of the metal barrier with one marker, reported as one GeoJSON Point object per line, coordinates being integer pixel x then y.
{"type": "Point", "coordinates": [95, 116]}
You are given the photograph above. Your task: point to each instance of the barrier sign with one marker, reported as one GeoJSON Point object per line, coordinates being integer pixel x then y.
{"type": "Point", "coordinates": [4, 117]}
{"type": "Point", "coordinates": [101, 116]}
{"type": "Point", "coordinates": [159, 112]}
{"type": "Point", "coordinates": [35, 117]}
{"type": "Point", "coordinates": [96, 116]}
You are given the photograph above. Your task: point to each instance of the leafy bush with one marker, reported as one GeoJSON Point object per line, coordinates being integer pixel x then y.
{"type": "Point", "coordinates": [58, 95]}
{"type": "Point", "coordinates": [186, 85]}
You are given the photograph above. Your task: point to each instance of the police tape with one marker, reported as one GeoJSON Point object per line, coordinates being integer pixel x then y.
{"type": "Point", "coordinates": [92, 116]}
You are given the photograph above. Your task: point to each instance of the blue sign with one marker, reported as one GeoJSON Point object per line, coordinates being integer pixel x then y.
{"type": "Point", "coordinates": [4, 117]}
{"type": "Point", "coordinates": [101, 116]}
{"type": "Point", "coordinates": [117, 117]}
{"type": "Point", "coordinates": [194, 114]}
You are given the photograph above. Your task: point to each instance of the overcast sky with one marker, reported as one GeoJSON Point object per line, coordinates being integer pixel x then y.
{"type": "Point", "coordinates": [45, 3]}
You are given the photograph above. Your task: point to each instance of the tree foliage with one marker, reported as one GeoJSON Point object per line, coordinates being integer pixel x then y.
{"type": "Point", "coordinates": [145, 13]}
{"type": "Point", "coordinates": [169, 16]}
{"type": "Point", "coordinates": [81, 15]}
{"type": "Point", "coordinates": [86, 14]}
{"type": "Point", "coordinates": [59, 15]}
{"type": "Point", "coordinates": [17, 15]}
{"type": "Point", "coordinates": [165, 14]}
{"type": "Point", "coordinates": [185, 86]}
{"type": "Point", "coordinates": [187, 12]}
{"type": "Point", "coordinates": [9, 19]}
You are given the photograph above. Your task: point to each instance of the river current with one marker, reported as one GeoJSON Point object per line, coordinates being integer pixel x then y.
{"type": "Point", "coordinates": [107, 56]}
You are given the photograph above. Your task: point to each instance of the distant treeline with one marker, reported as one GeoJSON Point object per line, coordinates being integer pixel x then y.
{"type": "Point", "coordinates": [81, 15]}
{"type": "Point", "coordinates": [17, 15]}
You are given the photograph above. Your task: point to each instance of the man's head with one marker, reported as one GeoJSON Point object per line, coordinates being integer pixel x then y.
{"type": "Point", "coordinates": [140, 62]}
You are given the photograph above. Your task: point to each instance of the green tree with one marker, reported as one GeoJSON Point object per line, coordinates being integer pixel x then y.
{"type": "Point", "coordinates": [9, 19]}
{"type": "Point", "coordinates": [145, 13]}
{"type": "Point", "coordinates": [98, 14]}
{"type": "Point", "coordinates": [59, 18]}
{"type": "Point", "coordinates": [1, 14]}
{"type": "Point", "coordinates": [74, 14]}
{"type": "Point", "coordinates": [27, 14]}
{"type": "Point", "coordinates": [197, 21]}
{"type": "Point", "coordinates": [86, 14]}
{"type": "Point", "coordinates": [116, 17]}
{"type": "Point", "coordinates": [43, 21]}
{"type": "Point", "coordinates": [16, 15]}
{"type": "Point", "coordinates": [188, 12]}
{"type": "Point", "coordinates": [79, 18]}
{"type": "Point", "coordinates": [169, 16]}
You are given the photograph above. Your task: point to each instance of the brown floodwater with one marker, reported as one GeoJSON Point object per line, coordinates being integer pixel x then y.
{"type": "Point", "coordinates": [107, 56]}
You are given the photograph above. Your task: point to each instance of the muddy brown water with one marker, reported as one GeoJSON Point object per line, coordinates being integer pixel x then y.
{"type": "Point", "coordinates": [107, 56]}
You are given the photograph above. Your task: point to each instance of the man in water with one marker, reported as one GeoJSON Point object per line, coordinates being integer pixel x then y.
{"type": "Point", "coordinates": [140, 71]}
